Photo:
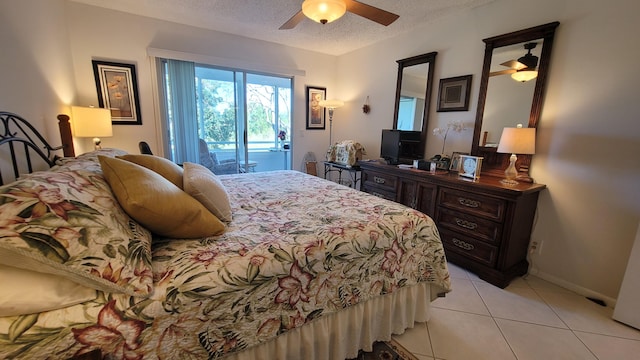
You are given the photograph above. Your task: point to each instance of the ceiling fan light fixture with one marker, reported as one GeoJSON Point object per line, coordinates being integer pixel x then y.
{"type": "Point", "coordinates": [524, 75]}
{"type": "Point", "coordinates": [324, 11]}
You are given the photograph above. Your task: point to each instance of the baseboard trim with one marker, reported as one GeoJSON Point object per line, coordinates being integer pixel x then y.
{"type": "Point", "coordinates": [611, 302]}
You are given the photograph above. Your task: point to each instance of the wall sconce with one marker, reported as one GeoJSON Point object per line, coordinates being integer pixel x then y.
{"type": "Point", "coordinates": [91, 122]}
{"type": "Point", "coordinates": [366, 108]}
{"type": "Point", "coordinates": [331, 105]}
{"type": "Point", "coordinates": [516, 140]}
{"type": "Point", "coordinates": [324, 11]}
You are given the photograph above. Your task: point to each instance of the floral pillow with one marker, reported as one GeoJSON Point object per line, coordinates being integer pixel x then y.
{"type": "Point", "coordinates": [68, 223]}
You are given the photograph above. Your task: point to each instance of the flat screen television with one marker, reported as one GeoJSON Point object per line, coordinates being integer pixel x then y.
{"type": "Point", "coordinates": [400, 146]}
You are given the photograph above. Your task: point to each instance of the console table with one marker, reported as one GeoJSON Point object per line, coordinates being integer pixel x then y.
{"type": "Point", "coordinates": [352, 172]}
{"type": "Point", "coordinates": [485, 226]}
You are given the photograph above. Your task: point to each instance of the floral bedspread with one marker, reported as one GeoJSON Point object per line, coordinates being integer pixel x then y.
{"type": "Point", "coordinates": [298, 248]}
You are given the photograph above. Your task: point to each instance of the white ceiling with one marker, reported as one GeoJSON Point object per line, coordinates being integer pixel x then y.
{"type": "Point", "coordinates": [260, 19]}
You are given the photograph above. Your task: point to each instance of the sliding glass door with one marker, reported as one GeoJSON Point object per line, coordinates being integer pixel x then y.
{"type": "Point", "coordinates": [243, 118]}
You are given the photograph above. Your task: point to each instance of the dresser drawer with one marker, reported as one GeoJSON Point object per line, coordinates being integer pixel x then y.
{"type": "Point", "coordinates": [470, 225]}
{"type": "Point", "coordinates": [382, 181]}
{"type": "Point", "coordinates": [471, 203]}
{"type": "Point", "coordinates": [470, 248]}
{"type": "Point", "coordinates": [379, 192]}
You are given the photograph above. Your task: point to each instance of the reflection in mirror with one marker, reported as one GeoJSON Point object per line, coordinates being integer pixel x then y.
{"type": "Point", "coordinates": [503, 102]}
{"type": "Point", "coordinates": [413, 94]}
{"type": "Point", "coordinates": [508, 101]}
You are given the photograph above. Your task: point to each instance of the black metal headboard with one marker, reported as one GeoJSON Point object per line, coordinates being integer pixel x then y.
{"type": "Point", "coordinates": [19, 140]}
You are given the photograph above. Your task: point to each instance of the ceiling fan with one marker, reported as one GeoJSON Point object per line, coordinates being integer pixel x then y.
{"type": "Point", "coordinates": [525, 65]}
{"type": "Point", "coordinates": [326, 11]}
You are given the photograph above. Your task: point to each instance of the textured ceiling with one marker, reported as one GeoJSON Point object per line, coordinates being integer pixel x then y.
{"type": "Point", "coordinates": [260, 19]}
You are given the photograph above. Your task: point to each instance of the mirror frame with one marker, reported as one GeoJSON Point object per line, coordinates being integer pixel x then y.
{"type": "Point", "coordinates": [429, 58]}
{"type": "Point", "coordinates": [494, 163]}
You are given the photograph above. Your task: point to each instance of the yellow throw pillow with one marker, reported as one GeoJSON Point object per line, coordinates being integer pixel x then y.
{"type": "Point", "coordinates": [156, 203]}
{"type": "Point", "coordinates": [205, 187]}
{"type": "Point", "coordinates": [165, 167]}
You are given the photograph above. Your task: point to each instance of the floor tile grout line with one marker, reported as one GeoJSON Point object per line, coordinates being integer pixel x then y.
{"type": "Point", "coordinates": [494, 321]}
{"type": "Point", "coordinates": [566, 324]}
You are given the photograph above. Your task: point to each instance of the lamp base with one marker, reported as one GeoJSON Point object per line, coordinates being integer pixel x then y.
{"type": "Point", "coordinates": [96, 143]}
{"type": "Point", "coordinates": [509, 182]}
{"type": "Point", "coordinates": [511, 173]}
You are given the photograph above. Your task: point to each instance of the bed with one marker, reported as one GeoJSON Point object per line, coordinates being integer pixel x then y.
{"type": "Point", "coordinates": [302, 268]}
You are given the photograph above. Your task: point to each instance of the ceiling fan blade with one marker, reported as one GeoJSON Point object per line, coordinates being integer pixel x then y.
{"type": "Point", "coordinates": [295, 20]}
{"type": "Point", "coordinates": [514, 64]}
{"type": "Point", "coordinates": [503, 72]}
{"type": "Point", "coordinates": [372, 13]}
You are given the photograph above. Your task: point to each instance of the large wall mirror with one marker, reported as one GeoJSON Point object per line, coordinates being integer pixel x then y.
{"type": "Point", "coordinates": [413, 94]}
{"type": "Point", "coordinates": [504, 101]}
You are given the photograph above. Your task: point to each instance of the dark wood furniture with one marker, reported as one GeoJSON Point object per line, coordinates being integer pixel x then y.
{"type": "Point", "coordinates": [352, 171]}
{"type": "Point", "coordinates": [485, 226]}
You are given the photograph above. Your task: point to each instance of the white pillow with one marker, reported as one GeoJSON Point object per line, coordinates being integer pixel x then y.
{"type": "Point", "coordinates": [30, 292]}
{"type": "Point", "coordinates": [205, 187]}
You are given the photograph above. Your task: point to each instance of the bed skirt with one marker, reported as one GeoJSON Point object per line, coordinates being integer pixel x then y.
{"type": "Point", "coordinates": [342, 334]}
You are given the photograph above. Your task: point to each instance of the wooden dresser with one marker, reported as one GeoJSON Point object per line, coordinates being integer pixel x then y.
{"type": "Point", "coordinates": [485, 226]}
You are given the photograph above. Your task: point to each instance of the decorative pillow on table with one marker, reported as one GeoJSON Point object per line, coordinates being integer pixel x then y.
{"type": "Point", "coordinates": [68, 223]}
{"type": "Point", "coordinates": [158, 204]}
{"type": "Point", "coordinates": [30, 292]}
{"type": "Point", "coordinates": [205, 187]}
{"type": "Point", "coordinates": [165, 167]}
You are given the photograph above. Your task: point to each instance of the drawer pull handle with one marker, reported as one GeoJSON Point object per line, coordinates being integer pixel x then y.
{"type": "Point", "coordinates": [469, 203]}
{"type": "Point", "coordinates": [377, 194]}
{"type": "Point", "coordinates": [378, 180]}
{"type": "Point", "coordinates": [466, 224]}
{"type": "Point", "coordinates": [463, 244]}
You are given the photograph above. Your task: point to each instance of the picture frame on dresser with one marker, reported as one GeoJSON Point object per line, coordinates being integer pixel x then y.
{"type": "Point", "coordinates": [455, 160]}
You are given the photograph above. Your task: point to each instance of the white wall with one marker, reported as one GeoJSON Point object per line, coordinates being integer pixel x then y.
{"type": "Point", "coordinates": [589, 133]}
{"type": "Point", "coordinates": [93, 35]}
{"type": "Point", "coordinates": [37, 74]}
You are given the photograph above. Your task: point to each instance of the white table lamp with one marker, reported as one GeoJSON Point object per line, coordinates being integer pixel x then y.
{"type": "Point", "coordinates": [516, 140]}
{"type": "Point", "coordinates": [91, 122]}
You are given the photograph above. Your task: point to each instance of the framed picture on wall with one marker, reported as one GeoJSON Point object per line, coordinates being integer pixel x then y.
{"type": "Point", "coordinates": [315, 112]}
{"type": "Point", "coordinates": [453, 94]}
{"type": "Point", "coordinates": [118, 91]}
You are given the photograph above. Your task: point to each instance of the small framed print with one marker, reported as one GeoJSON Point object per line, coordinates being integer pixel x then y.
{"type": "Point", "coordinates": [315, 112]}
{"type": "Point", "coordinates": [455, 161]}
{"type": "Point", "coordinates": [453, 94]}
{"type": "Point", "coordinates": [470, 166]}
{"type": "Point", "coordinates": [118, 91]}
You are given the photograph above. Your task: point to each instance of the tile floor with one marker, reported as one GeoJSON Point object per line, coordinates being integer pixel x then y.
{"type": "Point", "coordinates": [530, 319]}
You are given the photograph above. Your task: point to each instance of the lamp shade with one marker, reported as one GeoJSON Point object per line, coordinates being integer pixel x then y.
{"type": "Point", "coordinates": [91, 122]}
{"type": "Point", "coordinates": [324, 11]}
{"type": "Point", "coordinates": [331, 104]}
{"type": "Point", "coordinates": [524, 75]}
{"type": "Point", "coordinates": [518, 141]}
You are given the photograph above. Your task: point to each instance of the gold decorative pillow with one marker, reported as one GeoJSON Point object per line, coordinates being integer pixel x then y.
{"type": "Point", "coordinates": [205, 187]}
{"type": "Point", "coordinates": [156, 203]}
{"type": "Point", "coordinates": [165, 167]}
